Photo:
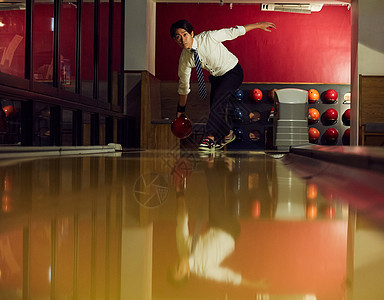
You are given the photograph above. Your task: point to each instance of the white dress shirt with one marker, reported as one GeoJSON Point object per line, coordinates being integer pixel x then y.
{"type": "Point", "coordinates": [214, 56]}
{"type": "Point", "coordinates": [210, 251]}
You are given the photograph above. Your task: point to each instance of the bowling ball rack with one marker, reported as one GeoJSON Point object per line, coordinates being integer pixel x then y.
{"type": "Point", "coordinates": [257, 135]}
{"type": "Point", "coordinates": [264, 127]}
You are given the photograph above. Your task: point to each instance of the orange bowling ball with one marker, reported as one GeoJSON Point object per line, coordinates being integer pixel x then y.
{"type": "Point", "coordinates": [313, 134]}
{"type": "Point", "coordinates": [314, 115]}
{"type": "Point", "coordinates": [313, 96]}
{"type": "Point", "coordinates": [181, 127]}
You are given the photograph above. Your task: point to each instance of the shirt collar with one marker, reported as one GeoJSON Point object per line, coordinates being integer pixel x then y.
{"type": "Point", "coordinates": [194, 44]}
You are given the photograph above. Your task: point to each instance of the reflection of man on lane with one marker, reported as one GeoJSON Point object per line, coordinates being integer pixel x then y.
{"type": "Point", "coordinates": [203, 255]}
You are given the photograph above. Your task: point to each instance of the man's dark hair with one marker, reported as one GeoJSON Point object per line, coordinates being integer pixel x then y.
{"type": "Point", "coordinates": [181, 24]}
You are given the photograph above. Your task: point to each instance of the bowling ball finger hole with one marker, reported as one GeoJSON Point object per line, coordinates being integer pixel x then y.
{"type": "Point", "coordinates": [254, 135]}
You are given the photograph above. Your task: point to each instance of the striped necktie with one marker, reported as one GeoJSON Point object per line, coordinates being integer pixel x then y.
{"type": "Point", "coordinates": [200, 77]}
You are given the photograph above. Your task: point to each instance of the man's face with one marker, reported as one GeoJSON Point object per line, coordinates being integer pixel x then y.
{"type": "Point", "coordinates": [183, 38]}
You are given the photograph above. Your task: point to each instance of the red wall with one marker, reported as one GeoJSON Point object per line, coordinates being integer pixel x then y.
{"type": "Point", "coordinates": [305, 48]}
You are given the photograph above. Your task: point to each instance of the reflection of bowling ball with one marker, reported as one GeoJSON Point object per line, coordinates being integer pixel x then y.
{"type": "Point", "coordinates": [311, 210]}
{"type": "Point", "coordinates": [10, 111]}
{"type": "Point", "coordinates": [313, 115]}
{"type": "Point", "coordinates": [331, 115]}
{"type": "Point", "coordinates": [331, 135]}
{"type": "Point", "coordinates": [313, 96]}
{"type": "Point", "coordinates": [256, 209]}
{"type": "Point", "coordinates": [239, 94]}
{"type": "Point", "coordinates": [255, 95]}
{"type": "Point", "coordinates": [329, 211]}
{"type": "Point", "coordinates": [330, 96]}
{"type": "Point", "coordinates": [313, 134]}
{"type": "Point", "coordinates": [311, 191]}
{"type": "Point", "coordinates": [181, 127]}
{"type": "Point", "coordinates": [6, 203]}
{"type": "Point", "coordinates": [238, 114]}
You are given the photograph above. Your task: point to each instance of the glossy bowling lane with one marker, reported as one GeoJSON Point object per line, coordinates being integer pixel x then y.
{"type": "Point", "coordinates": [171, 225]}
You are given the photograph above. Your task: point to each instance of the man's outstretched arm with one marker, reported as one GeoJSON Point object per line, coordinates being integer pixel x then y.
{"type": "Point", "coordinates": [266, 26]}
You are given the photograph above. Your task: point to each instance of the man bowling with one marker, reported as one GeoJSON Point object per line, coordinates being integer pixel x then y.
{"type": "Point", "coordinates": [205, 50]}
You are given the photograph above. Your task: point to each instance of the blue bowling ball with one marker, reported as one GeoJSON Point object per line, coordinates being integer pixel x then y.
{"type": "Point", "coordinates": [238, 114]}
{"type": "Point", "coordinates": [239, 133]}
{"type": "Point", "coordinates": [239, 94]}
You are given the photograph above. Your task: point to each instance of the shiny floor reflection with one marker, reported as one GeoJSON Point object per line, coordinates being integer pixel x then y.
{"type": "Point", "coordinates": [170, 225]}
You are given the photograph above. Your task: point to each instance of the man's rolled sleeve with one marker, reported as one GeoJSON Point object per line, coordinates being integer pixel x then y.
{"type": "Point", "coordinates": [184, 78]}
{"type": "Point", "coordinates": [184, 73]}
{"type": "Point", "coordinates": [228, 34]}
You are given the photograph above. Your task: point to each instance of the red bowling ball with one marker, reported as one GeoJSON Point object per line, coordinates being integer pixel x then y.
{"type": "Point", "coordinates": [331, 96]}
{"type": "Point", "coordinates": [347, 136]}
{"type": "Point", "coordinates": [331, 115]}
{"type": "Point", "coordinates": [331, 135]}
{"type": "Point", "coordinates": [347, 133]}
{"type": "Point", "coordinates": [181, 127]}
{"type": "Point", "coordinates": [347, 116]}
{"type": "Point", "coordinates": [255, 95]}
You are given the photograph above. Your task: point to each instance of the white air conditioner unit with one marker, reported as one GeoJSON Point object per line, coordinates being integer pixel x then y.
{"type": "Point", "coordinates": [304, 8]}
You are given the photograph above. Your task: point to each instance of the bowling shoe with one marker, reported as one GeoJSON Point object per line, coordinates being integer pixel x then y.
{"type": "Point", "coordinates": [228, 139]}
{"type": "Point", "coordinates": [207, 144]}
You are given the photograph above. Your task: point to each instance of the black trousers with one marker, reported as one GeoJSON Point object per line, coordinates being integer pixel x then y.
{"type": "Point", "coordinates": [221, 89]}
